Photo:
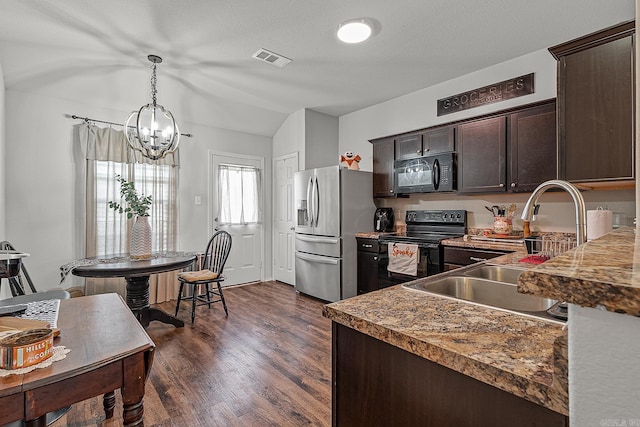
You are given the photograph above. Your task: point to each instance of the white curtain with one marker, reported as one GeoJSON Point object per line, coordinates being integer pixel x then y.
{"type": "Point", "coordinates": [107, 154]}
{"type": "Point", "coordinates": [238, 195]}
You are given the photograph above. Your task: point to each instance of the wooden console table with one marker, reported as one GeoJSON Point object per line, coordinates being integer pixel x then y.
{"type": "Point", "coordinates": [110, 350]}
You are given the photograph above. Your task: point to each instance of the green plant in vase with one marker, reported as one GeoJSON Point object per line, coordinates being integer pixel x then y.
{"type": "Point", "coordinates": [138, 205]}
{"type": "Point", "coordinates": [135, 205]}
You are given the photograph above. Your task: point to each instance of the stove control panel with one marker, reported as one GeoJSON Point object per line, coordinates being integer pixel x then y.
{"type": "Point", "coordinates": [437, 217]}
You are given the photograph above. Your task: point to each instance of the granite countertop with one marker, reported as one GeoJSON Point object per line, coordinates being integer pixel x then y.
{"type": "Point", "coordinates": [373, 234]}
{"type": "Point", "coordinates": [522, 355]}
{"type": "Point", "coordinates": [476, 242]}
{"type": "Point", "coordinates": [603, 273]}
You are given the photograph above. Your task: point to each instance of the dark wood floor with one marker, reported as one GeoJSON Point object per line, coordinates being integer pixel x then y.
{"type": "Point", "coordinates": [267, 364]}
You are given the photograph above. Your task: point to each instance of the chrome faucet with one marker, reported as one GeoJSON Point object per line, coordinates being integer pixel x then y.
{"type": "Point", "coordinates": [578, 201]}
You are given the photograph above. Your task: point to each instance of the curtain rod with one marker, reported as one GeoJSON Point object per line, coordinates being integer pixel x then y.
{"type": "Point", "coordinates": [87, 120]}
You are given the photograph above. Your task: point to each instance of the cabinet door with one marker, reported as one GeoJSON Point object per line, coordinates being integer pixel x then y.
{"type": "Point", "coordinates": [367, 272]}
{"type": "Point", "coordinates": [482, 156]}
{"type": "Point", "coordinates": [596, 109]}
{"type": "Point", "coordinates": [409, 146]}
{"type": "Point", "coordinates": [383, 157]}
{"type": "Point", "coordinates": [532, 147]}
{"type": "Point", "coordinates": [439, 140]}
{"type": "Point", "coordinates": [454, 256]}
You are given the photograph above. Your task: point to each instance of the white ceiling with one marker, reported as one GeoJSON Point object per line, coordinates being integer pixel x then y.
{"type": "Point", "coordinates": [94, 51]}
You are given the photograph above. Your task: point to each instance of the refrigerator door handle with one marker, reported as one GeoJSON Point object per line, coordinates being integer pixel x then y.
{"type": "Point", "coordinates": [315, 239]}
{"type": "Point", "coordinates": [309, 204]}
{"type": "Point", "coordinates": [313, 258]}
{"type": "Point", "coordinates": [316, 203]}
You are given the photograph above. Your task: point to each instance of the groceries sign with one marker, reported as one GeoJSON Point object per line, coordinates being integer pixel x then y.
{"type": "Point", "coordinates": [496, 92]}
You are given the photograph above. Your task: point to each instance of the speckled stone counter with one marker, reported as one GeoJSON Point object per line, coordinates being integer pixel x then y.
{"type": "Point", "coordinates": [511, 352]}
{"type": "Point", "coordinates": [474, 243]}
{"type": "Point", "coordinates": [604, 272]}
{"type": "Point", "coordinates": [372, 234]}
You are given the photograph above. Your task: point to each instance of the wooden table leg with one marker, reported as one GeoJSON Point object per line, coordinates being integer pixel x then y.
{"type": "Point", "coordinates": [134, 378]}
{"type": "Point", "coordinates": [109, 403]}
{"type": "Point", "coordinates": [138, 301]}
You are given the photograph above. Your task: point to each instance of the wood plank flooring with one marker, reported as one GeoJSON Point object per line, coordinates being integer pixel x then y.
{"type": "Point", "coordinates": [267, 364]}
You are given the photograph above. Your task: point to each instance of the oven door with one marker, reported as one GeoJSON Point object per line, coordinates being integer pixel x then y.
{"type": "Point", "coordinates": [430, 262]}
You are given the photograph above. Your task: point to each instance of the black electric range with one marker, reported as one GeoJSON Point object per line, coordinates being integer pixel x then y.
{"type": "Point", "coordinates": [427, 229]}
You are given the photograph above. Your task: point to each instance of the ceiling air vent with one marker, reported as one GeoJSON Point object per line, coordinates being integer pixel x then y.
{"type": "Point", "coordinates": [271, 58]}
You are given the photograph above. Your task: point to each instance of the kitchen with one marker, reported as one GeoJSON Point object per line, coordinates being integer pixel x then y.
{"type": "Point", "coordinates": [352, 131]}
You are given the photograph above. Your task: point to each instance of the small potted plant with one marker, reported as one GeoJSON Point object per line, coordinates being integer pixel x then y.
{"type": "Point", "coordinates": [138, 205]}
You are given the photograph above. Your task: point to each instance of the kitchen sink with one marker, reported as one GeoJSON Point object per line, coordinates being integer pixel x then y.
{"type": "Point", "coordinates": [488, 285]}
{"type": "Point", "coordinates": [495, 273]}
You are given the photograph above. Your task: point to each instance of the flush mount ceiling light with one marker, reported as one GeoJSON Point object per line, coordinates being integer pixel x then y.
{"type": "Point", "coordinates": [152, 130]}
{"type": "Point", "coordinates": [355, 30]}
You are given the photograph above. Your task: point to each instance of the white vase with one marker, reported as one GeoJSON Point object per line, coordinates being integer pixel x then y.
{"type": "Point", "coordinates": [140, 244]}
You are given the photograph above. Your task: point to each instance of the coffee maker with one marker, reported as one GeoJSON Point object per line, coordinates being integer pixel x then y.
{"type": "Point", "coordinates": [383, 220]}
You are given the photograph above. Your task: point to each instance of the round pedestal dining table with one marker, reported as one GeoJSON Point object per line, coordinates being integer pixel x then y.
{"type": "Point", "coordinates": [136, 273]}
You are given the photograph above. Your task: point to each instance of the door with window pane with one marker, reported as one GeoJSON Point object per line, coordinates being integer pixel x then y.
{"type": "Point", "coordinates": [236, 184]}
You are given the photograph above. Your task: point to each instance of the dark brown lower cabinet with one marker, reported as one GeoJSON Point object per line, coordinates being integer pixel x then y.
{"type": "Point", "coordinates": [377, 384]}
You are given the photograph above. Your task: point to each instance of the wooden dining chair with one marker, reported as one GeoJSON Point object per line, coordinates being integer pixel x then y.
{"type": "Point", "coordinates": [211, 267]}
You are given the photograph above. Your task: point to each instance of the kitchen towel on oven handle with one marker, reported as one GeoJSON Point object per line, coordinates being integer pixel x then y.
{"type": "Point", "coordinates": [403, 259]}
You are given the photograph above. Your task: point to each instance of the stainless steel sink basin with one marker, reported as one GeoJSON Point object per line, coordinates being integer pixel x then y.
{"type": "Point", "coordinates": [495, 273]}
{"type": "Point", "coordinates": [487, 285]}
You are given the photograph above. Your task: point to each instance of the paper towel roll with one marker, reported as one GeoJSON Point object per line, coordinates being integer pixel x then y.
{"type": "Point", "coordinates": [599, 222]}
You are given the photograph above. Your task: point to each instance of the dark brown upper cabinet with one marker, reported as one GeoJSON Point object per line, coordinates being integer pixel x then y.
{"type": "Point", "coordinates": [408, 146]}
{"type": "Point", "coordinates": [383, 158]}
{"type": "Point", "coordinates": [596, 105]}
{"type": "Point", "coordinates": [482, 156]}
{"type": "Point", "coordinates": [425, 143]}
{"type": "Point", "coordinates": [532, 147]}
{"type": "Point", "coordinates": [514, 151]}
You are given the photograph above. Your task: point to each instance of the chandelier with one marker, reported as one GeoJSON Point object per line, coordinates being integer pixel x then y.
{"type": "Point", "coordinates": [152, 130]}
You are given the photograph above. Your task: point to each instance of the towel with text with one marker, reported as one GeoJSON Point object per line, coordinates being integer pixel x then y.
{"type": "Point", "coordinates": [403, 259]}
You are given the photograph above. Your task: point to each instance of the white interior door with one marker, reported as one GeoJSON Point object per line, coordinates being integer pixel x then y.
{"type": "Point", "coordinates": [284, 226]}
{"type": "Point", "coordinates": [246, 258]}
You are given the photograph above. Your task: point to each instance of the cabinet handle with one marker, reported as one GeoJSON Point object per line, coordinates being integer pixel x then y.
{"type": "Point", "coordinates": [390, 191]}
{"type": "Point", "coordinates": [366, 246]}
{"type": "Point", "coordinates": [513, 185]}
{"type": "Point", "coordinates": [375, 258]}
{"type": "Point", "coordinates": [477, 259]}
{"type": "Point", "coordinates": [501, 185]}
{"type": "Point", "coordinates": [418, 151]}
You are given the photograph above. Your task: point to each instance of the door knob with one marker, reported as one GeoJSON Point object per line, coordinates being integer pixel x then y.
{"type": "Point", "coordinates": [292, 228]}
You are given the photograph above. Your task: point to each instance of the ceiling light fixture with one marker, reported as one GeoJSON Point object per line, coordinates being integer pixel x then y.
{"type": "Point", "coordinates": [355, 30]}
{"type": "Point", "coordinates": [152, 130]}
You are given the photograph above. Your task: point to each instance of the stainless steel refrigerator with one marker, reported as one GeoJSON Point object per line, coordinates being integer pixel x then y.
{"type": "Point", "coordinates": [332, 204]}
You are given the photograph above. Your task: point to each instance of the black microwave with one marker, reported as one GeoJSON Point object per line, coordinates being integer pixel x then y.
{"type": "Point", "coordinates": [427, 174]}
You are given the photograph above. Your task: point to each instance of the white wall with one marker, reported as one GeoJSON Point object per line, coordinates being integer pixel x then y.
{"type": "Point", "coordinates": [321, 140]}
{"type": "Point", "coordinates": [290, 137]}
{"type": "Point", "coordinates": [418, 110]}
{"type": "Point", "coordinates": [604, 373]}
{"type": "Point", "coordinates": [312, 134]}
{"type": "Point", "coordinates": [3, 231]}
{"type": "Point", "coordinates": [42, 206]}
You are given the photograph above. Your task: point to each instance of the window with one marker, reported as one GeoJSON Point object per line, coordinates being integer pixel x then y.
{"type": "Point", "coordinates": [238, 194]}
{"type": "Point", "coordinates": [107, 154]}
{"type": "Point", "coordinates": [111, 227]}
